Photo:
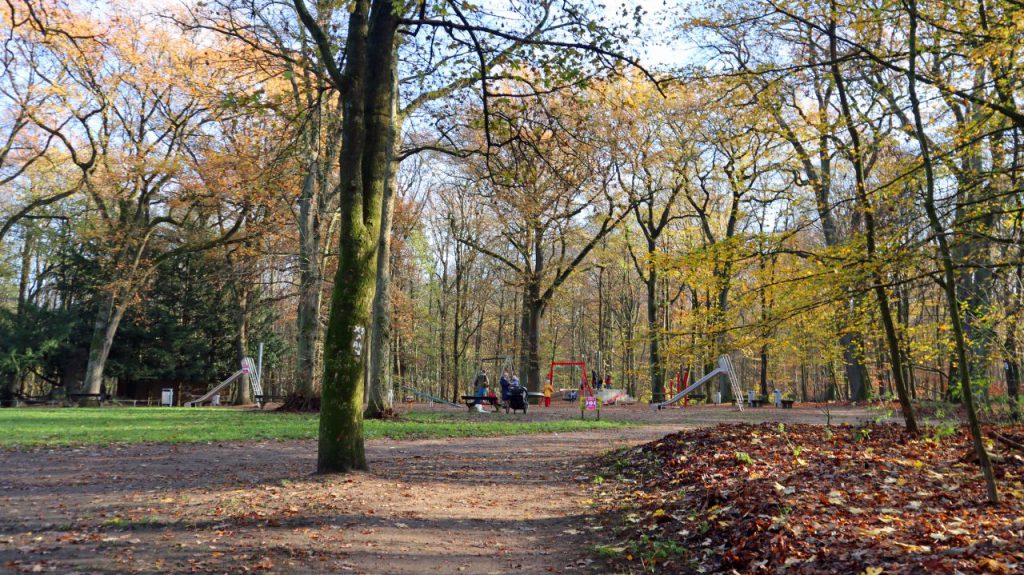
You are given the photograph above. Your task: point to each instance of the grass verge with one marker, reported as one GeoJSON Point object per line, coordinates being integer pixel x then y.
{"type": "Point", "coordinates": [98, 426]}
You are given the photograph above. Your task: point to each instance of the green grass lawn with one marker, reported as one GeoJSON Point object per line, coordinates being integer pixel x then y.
{"type": "Point", "coordinates": [97, 426]}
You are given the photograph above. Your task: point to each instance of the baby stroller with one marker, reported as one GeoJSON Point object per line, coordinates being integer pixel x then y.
{"type": "Point", "coordinates": [517, 399]}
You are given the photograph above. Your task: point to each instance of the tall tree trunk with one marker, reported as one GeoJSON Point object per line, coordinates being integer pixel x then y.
{"type": "Point", "coordinates": [867, 212]}
{"type": "Point", "coordinates": [803, 382]}
{"type": "Point", "coordinates": [243, 391]}
{"type": "Point", "coordinates": [819, 176]}
{"type": "Point", "coordinates": [534, 312]}
{"type": "Point", "coordinates": [949, 270]}
{"type": "Point", "coordinates": [8, 381]}
{"type": "Point", "coordinates": [653, 336]}
{"type": "Point", "coordinates": [533, 308]}
{"type": "Point", "coordinates": [381, 393]}
{"type": "Point", "coordinates": [368, 134]}
{"type": "Point", "coordinates": [310, 286]}
{"type": "Point", "coordinates": [1011, 367]}
{"type": "Point", "coordinates": [443, 375]}
{"type": "Point", "coordinates": [108, 319]}
{"type": "Point", "coordinates": [25, 274]}
{"type": "Point", "coordinates": [764, 370]}
{"type": "Point", "coordinates": [457, 321]}
{"type": "Point", "coordinates": [600, 314]}
{"type": "Point", "coordinates": [854, 368]}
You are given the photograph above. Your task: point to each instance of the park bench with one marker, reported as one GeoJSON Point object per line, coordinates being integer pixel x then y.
{"type": "Point", "coordinates": [99, 398]}
{"type": "Point", "coordinates": [21, 399]}
{"type": "Point", "coordinates": [787, 404]}
{"type": "Point", "coordinates": [472, 400]}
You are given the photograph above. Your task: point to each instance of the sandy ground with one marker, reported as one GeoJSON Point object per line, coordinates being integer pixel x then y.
{"type": "Point", "coordinates": [479, 505]}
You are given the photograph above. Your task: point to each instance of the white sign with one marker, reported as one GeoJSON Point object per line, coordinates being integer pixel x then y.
{"type": "Point", "coordinates": [357, 339]}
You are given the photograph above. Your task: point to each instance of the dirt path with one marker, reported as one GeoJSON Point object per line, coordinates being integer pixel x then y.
{"type": "Point", "coordinates": [480, 506]}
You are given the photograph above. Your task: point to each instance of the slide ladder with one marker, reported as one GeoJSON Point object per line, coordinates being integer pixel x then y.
{"type": "Point", "coordinates": [724, 368]}
{"type": "Point", "coordinates": [734, 381]}
{"type": "Point", "coordinates": [249, 367]}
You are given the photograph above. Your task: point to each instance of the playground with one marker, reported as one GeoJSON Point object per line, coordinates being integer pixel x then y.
{"type": "Point", "coordinates": [498, 504]}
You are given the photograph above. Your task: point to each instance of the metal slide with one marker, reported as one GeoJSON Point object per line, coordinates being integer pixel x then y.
{"type": "Point", "coordinates": [248, 368]}
{"type": "Point", "coordinates": [724, 367]}
{"type": "Point", "coordinates": [215, 390]}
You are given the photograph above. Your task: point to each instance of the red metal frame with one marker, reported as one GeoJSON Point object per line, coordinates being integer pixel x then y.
{"type": "Point", "coordinates": [583, 365]}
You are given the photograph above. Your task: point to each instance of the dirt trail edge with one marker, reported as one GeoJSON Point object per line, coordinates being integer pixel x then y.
{"type": "Point", "coordinates": [474, 505]}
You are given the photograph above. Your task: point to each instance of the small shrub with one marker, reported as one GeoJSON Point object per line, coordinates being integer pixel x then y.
{"type": "Point", "coordinates": [943, 430]}
{"type": "Point", "coordinates": [744, 458]}
{"type": "Point", "coordinates": [608, 551]}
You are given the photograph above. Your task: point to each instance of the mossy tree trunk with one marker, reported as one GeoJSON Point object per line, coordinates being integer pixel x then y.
{"type": "Point", "coordinates": [380, 396]}
{"type": "Point", "coordinates": [367, 150]}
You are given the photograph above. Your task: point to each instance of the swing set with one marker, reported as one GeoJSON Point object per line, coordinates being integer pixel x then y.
{"type": "Point", "coordinates": [588, 400]}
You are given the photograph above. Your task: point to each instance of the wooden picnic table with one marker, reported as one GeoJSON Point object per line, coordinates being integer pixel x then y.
{"type": "Point", "coordinates": [472, 400]}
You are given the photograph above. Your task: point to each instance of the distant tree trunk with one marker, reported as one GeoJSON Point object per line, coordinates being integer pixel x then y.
{"type": "Point", "coordinates": [534, 312]}
{"type": "Point", "coordinates": [25, 273]}
{"type": "Point", "coordinates": [853, 368]}
{"type": "Point", "coordinates": [819, 177]}
{"type": "Point", "coordinates": [8, 381]}
{"type": "Point", "coordinates": [653, 336]}
{"type": "Point", "coordinates": [867, 213]}
{"type": "Point", "coordinates": [533, 309]}
{"type": "Point", "coordinates": [457, 335]}
{"type": "Point", "coordinates": [108, 319]}
{"type": "Point", "coordinates": [381, 393]}
{"type": "Point", "coordinates": [1011, 367]}
{"type": "Point", "coordinates": [522, 328]}
{"type": "Point", "coordinates": [600, 313]}
{"type": "Point", "coordinates": [803, 382]}
{"type": "Point", "coordinates": [443, 375]}
{"type": "Point", "coordinates": [243, 393]}
{"type": "Point", "coordinates": [310, 287]}
{"type": "Point", "coordinates": [949, 271]}
{"type": "Point", "coordinates": [722, 304]}
{"type": "Point", "coordinates": [764, 370]}
{"type": "Point", "coordinates": [1012, 362]}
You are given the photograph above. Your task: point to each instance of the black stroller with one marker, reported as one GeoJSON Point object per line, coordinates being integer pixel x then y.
{"type": "Point", "coordinates": [517, 399]}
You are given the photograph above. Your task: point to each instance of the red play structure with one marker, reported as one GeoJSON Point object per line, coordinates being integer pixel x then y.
{"type": "Point", "coordinates": [588, 401]}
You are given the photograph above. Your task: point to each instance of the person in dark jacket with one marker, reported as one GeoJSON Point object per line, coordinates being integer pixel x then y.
{"type": "Point", "coordinates": [505, 384]}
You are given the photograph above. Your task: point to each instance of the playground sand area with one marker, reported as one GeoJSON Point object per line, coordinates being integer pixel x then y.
{"type": "Point", "coordinates": [469, 505]}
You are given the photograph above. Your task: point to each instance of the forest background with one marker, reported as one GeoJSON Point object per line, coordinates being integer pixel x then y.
{"type": "Point", "coordinates": [830, 193]}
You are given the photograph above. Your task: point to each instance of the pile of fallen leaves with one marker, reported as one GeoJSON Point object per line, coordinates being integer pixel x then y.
{"type": "Point", "coordinates": [809, 499]}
